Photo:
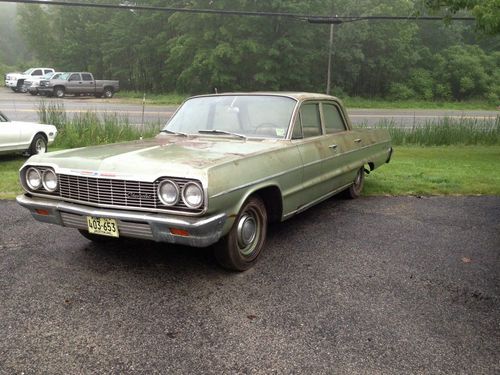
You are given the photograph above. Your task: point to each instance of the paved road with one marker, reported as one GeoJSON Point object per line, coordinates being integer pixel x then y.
{"type": "Point", "coordinates": [371, 286]}
{"type": "Point", "coordinates": [23, 107]}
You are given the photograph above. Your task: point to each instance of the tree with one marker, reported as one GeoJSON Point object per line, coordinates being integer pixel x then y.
{"type": "Point", "coordinates": [487, 12]}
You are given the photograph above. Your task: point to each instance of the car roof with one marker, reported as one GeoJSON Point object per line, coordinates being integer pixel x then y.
{"type": "Point", "coordinates": [299, 96]}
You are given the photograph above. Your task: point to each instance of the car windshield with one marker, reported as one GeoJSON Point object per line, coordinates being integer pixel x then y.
{"type": "Point", "coordinates": [28, 71]}
{"type": "Point", "coordinates": [64, 76]}
{"type": "Point", "coordinates": [256, 116]}
{"type": "Point", "coordinates": [48, 75]}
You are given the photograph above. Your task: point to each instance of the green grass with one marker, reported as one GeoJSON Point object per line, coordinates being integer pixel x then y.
{"type": "Point", "coordinates": [445, 132]}
{"type": "Point", "coordinates": [9, 176]}
{"type": "Point", "coordinates": [90, 128]}
{"type": "Point", "coordinates": [351, 102]}
{"type": "Point", "coordinates": [166, 99]}
{"type": "Point", "coordinates": [358, 102]}
{"type": "Point", "coordinates": [451, 170]}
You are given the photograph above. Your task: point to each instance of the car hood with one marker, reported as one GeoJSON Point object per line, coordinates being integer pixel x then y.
{"type": "Point", "coordinates": [146, 160]}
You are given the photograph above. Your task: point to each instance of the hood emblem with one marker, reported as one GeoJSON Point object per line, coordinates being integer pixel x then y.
{"type": "Point", "coordinates": [136, 195]}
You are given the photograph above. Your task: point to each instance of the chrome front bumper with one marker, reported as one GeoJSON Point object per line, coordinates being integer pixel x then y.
{"type": "Point", "coordinates": [202, 231]}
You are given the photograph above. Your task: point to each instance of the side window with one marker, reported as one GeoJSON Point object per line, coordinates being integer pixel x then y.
{"type": "Point", "coordinates": [311, 123]}
{"type": "Point", "coordinates": [37, 72]}
{"type": "Point", "coordinates": [333, 119]}
{"type": "Point", "coordinates": [74, 77]}
{"type": "Point", "coordinates": [46, 71]}
{"type": "Point", "coordinates": [297, 128]}
{"type": "Point", "coordinates": [86, 77]}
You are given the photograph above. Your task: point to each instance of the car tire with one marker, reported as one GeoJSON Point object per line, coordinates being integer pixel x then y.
{"type": "Point", "coordinates": [38, 145]}
{"type": "Point", "coordinates": [34, 93]}
{"type": "Point", "coordinates": [96, 237]}
{"type": "Point", "coordinates": [59, 92]}
{"type": "Point", "coordinates": [14, 89]}
{"type": "Point", "coordinates": [108, 92]}
{"type": "Point", "coordinates": [240, 249]}
{"type": "Point", "coordinates": [356, 188]}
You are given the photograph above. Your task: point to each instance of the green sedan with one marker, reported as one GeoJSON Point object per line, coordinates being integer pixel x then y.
{"type": "Point", "coordinates": [222, 168]}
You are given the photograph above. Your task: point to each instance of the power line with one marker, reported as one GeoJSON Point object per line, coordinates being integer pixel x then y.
{"type": "Point", "coordinates": [317, 19]}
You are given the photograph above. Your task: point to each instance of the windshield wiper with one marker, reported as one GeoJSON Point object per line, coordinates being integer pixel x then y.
{"type": "Point", "coordinates": [172, 132]}
{"type": "Point", "coordinates": [215, 131]}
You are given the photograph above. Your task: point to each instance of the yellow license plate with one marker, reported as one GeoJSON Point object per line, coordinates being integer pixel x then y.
{"type": "Point", "coordinates": [102, 226]}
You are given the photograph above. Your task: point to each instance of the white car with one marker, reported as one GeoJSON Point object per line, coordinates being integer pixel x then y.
{"type": "Point", "coordinates": [31, 85]}
{"type": "Point", "coordinates": [26, 137]}
{"type": "Point", "coordinates": [16, 80]}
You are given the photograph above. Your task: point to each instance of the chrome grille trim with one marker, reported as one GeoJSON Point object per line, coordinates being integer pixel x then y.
{"type": "Point", "coordinates": [119, 193]}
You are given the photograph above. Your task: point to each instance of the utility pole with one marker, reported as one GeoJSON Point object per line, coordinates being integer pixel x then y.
{"type": "Point", "coordinates": [330, 50]}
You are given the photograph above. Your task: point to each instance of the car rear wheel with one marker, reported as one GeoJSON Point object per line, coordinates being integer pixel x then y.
{"type": "Point", "coordinates": [242, 246]}
{"type": "Point", "coordinates": [38, 145]}
{"type": "Point", "coordinates": [108, 92]}
{"type": "Point", "coordinates": [356, 188]}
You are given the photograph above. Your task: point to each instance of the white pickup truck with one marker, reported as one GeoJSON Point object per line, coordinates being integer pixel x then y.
{"type": "Point", "coordinates": [16, 80]}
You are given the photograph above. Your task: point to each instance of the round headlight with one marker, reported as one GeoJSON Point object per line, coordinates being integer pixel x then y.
{"type": "Point", "coordinates": [33, 179]}
{"type": "Point", "coordinates": [49, 180]}
{"type": "Point", "coordinates": [192, 194]}
{"type": "Point", "coordinates": [168, 192]}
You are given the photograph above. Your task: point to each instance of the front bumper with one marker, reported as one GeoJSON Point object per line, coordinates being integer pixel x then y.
{"type": "Point", "coordinates": [11, 83]}
{"type": "Point", "coordinates": [45, 89]}
{"type": "Point", "coordinates": [202, 231]}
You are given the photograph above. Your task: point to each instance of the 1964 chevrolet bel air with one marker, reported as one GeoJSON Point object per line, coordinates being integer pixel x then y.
{"type": "Point", "coordinates": [222, 168]}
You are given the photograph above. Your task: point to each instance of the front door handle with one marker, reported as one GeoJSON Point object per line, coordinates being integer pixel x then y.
{"type": "Point", "coordinates": [357, 140]}
{"type": "Point", "coordinates": [333, 147]}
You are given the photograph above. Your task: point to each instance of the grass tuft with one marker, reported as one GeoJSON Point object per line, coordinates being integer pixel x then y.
{"type": "Point", "coordinates": [445, 132]}
{"type": "Point", "coordinates": [90, 128]}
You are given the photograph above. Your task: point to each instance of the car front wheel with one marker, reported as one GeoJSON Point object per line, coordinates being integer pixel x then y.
{"type": "Point", "coordinates": [38, 145]}
{"type": "Point", "coordinates": [242, 246]}
{"type": "Point", "coordinates": [59, 92]}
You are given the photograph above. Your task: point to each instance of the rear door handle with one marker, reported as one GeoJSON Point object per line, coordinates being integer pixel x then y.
{"type": "Point", "coordinates": [357, 140]}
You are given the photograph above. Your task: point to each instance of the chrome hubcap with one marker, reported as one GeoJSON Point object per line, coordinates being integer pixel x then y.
{"type": "Point", "coordinates": [247, 231]}
{"type": "Point", "coordinates": [40, 146]}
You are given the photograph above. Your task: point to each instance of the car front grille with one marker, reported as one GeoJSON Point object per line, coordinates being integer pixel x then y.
{"type": "Point", "coordinates": [123, 193]}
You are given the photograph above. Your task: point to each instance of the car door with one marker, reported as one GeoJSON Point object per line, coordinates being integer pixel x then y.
{"type": "Point", "coordinates": [9, 135]}
{"type": "Point", "coordinates": [345, 144]}
{"type": "Point", "coordinates": [307, 135]}
{"type": "Point", "coordinates": [74, 83]}
{"type": "Point", "coordinates": [88, 85]}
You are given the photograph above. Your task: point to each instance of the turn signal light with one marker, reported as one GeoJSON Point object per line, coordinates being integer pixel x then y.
{"type": "Point", "coordinates": [42, 212]}
{"type": "Point", "coordinates": [179, 232]}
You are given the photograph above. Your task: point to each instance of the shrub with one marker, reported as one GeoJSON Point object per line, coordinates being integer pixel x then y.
{"type": "Point", "coordinates": [400, 91]}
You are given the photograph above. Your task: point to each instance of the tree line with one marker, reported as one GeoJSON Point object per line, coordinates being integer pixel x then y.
{"type": "Point", "coordinates": [197, 53]}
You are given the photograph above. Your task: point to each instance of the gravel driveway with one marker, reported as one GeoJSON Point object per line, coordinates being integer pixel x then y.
{"type": "Point", "coordinates": [376, 285]}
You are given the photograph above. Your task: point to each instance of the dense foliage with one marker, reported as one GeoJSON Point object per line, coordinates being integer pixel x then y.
{"type": "Point", "coordinates": [188, 53]}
